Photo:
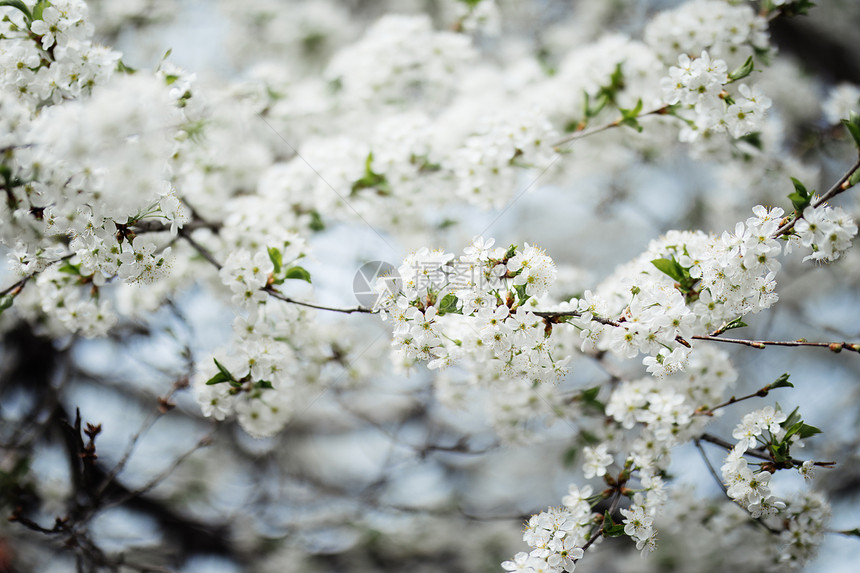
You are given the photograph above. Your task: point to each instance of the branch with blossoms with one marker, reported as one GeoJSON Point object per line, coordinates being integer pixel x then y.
{"type": "Point", "coordinates": [100, 167]}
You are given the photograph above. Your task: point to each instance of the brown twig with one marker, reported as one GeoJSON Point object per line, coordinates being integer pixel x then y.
{"type": "Point", "coordinates": [162, 408]}
{"type": "Point", "coordinates": [837, 188]}
{"type": "Point", "coordinates": [278, 295]}
{"type": "Point", "coordinates": [582, 133]}
{"type": "Point", "coordinates": [761, 344]}
{"type": "Point", "coordinates": [201, 443]}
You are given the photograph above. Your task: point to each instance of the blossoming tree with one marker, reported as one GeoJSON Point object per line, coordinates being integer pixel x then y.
{"type": "Point", "coordinates": [177, 242]}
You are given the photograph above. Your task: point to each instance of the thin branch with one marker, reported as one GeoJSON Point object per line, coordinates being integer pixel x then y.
{"type": "Point", "coordinates": [756, 453]}
{"type": "Point", "coordinates": [595, 535]}
{"type": "Point", "coordinates": [162, 408]}
{"type": "Point", "coordinates": [145, 568]}
{"type": "Point", "coordinates": [202, 443]}
{"type": "Point", "coordinates": [836, 189]}
{"type": "Point", "coordinates": [760, 393]}
{"type": "Point", "coordinates": [582, 133]}
{"type": "Point", "coordinates": [16, 288]}
{"type": "Point", "coordinates": [204, 252]}
{"type": "Point", "coordinates": [761, 344]}
{"type": "Point", "coordinates": [60, 525]}
{"type": "Point", "coordinates": [575, 314]}
{"type": "Point", "coordinates": [711, 469]}
{"type": "Point", "coordinates": [152, 226]}
{"type": "Point", "coordinates": [278, 295]}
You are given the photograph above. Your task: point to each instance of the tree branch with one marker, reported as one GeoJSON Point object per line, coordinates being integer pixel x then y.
{"type": "Point", "coordinates": [761, 344]}
{"type": "Point", "coordinates": [583, 133]}
{"type": "Point", "coordinates": [840, 186]}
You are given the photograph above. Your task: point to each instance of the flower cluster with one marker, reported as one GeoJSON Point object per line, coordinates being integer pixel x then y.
{"type": "Point", "coordinates": [827, 231]}
{"type": "Point", "coordinates": [246, 276]}
{"type": "Point", "coordinates": [400, 58]}
{"type": "Point", "coordinates": [477, 304]}
{"type": "Point", "coordinates": [86, 163]}
{"type": "Point", "coordinates": [488, 160]}
{"type": "Point", "coordinates": [684, 284]}
{"type": "Point", "coordinates": [646, 505]}
{"type": "Point", "coordinates": [268, 366]}
{"type": "Point", "coordinates": [49, 55]}
{"type": "Point", "coordinates": [482, 16]}
{"type": "Point", "coordinates": [804, 516]}
{"type": "Point", "coordinates": [808, 514]}
{"type": "Point", "coordinates": [699, 86]}
{"type": "Point", "coordinates": [556, 537]}
{"type": "Point", "coordinates": [841, 102]}
{"type": "Point", "coordinates": [722, 28]}
{"type": "Point", "coordinates": [744, 485]}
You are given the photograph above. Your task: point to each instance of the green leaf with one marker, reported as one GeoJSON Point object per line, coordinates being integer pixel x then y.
{"type": "Point", "coordinates": [608, 93]}
{"type": "Point", "coordinates": [224, 372]}
{"type": "Point", "coordinates": [742, 71]}
{"type": "Point", "coordinates": [276, 258]}
{"type": "Point", "coordinates": [670, 267]}
{"type": "Point", "coordinates": [70, 269]}
{"type": "Point", "coordinates": [6, 302]}
{"type": "Point", "coordinates": [855, 532]}
{"type": "Point", "coordinates": [807, 431]}
{"type": "Point", "coordinates": [629, 117]}
{"type": "Point", "coordinates": [611, 529]}
{"type": "Point", "coordinates": [800, 188]}
{"type": "Point", "coordinates": [299, 273]}
{"type": "Point", "coordinates": [316, 223]}
{"type": "Point", "coordinates": [264, 384]}
{"type": "Point", "coordinates": [852, 124]}
{"type": "Point", "coordinates": [801, 198]}
{"type": "Point", "coordinates": [521, 293]}
{"type": "Point", "coordinates": [448, 304]}
{"type": "Point", "coordinates": [780, 451]}
{"type": "Point", "coordinates": [736, 323]}
{"type": "Point", "coordinates": [217, 379]}
{"type": "Point", "coordinates": [795, 8]}
{"type": "Point", "coordinates": [590, 394]}
{"type": "Point", "coordinates": [18, 5]}
{"type": "Point", "coordinates": [753, 139]}
{"type": "Point", "coordinates": [588, 438]}
{"type": "Point", "coordinates": [569, 456]}
{"type": "Point", "coordinates": [586, 110]}
{"type": "Point", "coordinates": [792, 419]}
{"type": "Point", "coordinates": [122, 68]}
{"type": "Point", "coordinates": [371, 179]}
{"type": "Point", "coordinates": [616, 80]}
{"type": "Point", "coordinates": [589, 399]}
{"type": "Point", "coordinates": [795, 428]}
{"type": "Point", "coordinates": [781, 382]}
{"type": "Point", "coordinates": [39, 8]}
